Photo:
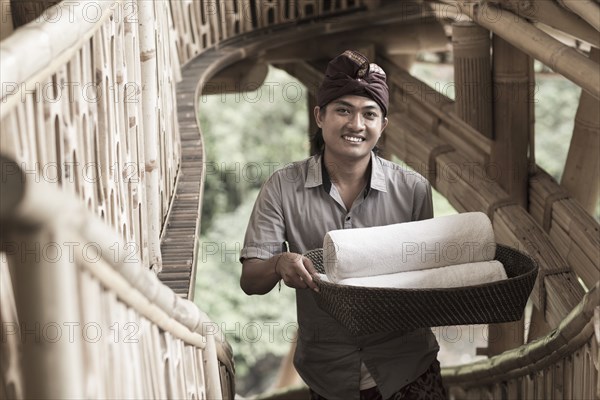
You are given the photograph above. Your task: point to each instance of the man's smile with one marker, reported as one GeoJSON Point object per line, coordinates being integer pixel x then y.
{"type": "Point", "coordinates": [353, 139]}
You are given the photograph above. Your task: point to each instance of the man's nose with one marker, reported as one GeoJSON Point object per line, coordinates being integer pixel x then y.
{"type": "Point", "coordinates": [356, 122]}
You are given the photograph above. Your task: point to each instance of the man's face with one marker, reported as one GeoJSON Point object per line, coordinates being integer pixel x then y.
{"type": "Point", "coordinates": [351, 127]}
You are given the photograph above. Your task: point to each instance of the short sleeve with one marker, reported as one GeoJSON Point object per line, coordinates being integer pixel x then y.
{"type": "Point", "coordinates": [423, 205]}
{"type": "Point", "coordinates": [266, 227]}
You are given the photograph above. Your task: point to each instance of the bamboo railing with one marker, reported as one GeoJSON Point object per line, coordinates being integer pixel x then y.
{"type": "Point", "coordinates": [89, 320]}
{"type": "Point", "coordinates": [83, 112]}
{"type": "Point", "coordinates": [560, 365]}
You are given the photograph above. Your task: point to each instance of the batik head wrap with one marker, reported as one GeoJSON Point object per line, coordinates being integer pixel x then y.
{"type": "Point", "coordinates": [350, 73]}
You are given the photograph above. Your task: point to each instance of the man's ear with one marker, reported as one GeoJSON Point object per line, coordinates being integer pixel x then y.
{"type": "Point", "coordinates": [384, 123]}
{"type": "Point", "coordinates": [317, 112]}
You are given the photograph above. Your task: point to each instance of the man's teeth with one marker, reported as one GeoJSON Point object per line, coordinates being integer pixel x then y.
{"type": "Point", "coordinates": [353, 139]}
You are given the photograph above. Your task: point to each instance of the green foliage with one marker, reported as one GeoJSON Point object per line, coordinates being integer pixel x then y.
{"type": "Point", "coordinates": [246, 137]}
{"type": "Point", "coordinates": [556, 101]}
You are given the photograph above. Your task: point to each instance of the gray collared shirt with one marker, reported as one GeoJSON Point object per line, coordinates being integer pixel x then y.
{"type": "Point", "coordinates": [299, 204]}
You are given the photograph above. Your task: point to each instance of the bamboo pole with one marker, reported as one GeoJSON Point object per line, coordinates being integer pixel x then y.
{"type": "Point", "coordinates": [551, 14]}
{"type": "Point", "coordinates": [472, 75]}
{"type": "Point", "coordinates": [586, 9]}
{"type": "Point", "coordinates": [521, 34]}
{"type": "Point", "coordinates": [53, 367]}
{"type": "Point", "coordinates": [151, 133]}
{"type": "Point", "coordinates": [580, 177]}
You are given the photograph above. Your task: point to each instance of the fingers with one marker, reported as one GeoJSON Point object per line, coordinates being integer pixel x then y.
{"type": "Point", "coordinates": [308, 264]}
{"type": "Point", "coordinates": [296, 271]}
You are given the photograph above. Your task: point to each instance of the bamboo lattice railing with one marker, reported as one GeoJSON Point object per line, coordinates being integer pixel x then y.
{"type": "Point", "coordinates": [88, 93]}
{"type": "Point", "coordinates": [81, 113]}
{"type": "Point", "coordinates": [90, 321]}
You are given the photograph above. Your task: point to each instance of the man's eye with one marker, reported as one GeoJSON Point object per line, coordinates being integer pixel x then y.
{"type": "Point", "coordinates": [370, 115]}
{"type": "Point", "coordinates": [342, 111]}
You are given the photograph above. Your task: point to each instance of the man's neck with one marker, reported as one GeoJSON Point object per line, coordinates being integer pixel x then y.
{"type": "Point", "coordinates": [347, 172]}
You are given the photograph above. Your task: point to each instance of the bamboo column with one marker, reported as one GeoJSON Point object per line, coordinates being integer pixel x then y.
{"type": "Point", "coordinates": [580, 176]}
{"type": "Point", "coordinates": [511, 118]}
{"type": "Point", "coordinates": [509, 149]}
{"type": "Point", "coordinates": [472, 75]}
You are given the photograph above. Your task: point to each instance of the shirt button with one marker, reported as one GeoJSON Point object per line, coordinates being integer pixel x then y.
{"type": "Point", "coordinates": [360, 349]}
{"type": "Point", "coordinates": [348, 218]}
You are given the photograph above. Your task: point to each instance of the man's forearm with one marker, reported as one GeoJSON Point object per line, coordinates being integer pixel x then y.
{"type": "Point", "coordinates": [259, 276]}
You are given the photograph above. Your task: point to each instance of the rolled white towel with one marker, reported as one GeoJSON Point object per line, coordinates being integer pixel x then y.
{"type": "Point", "coordinates": [443, 277]}
{"type": "Point", "coordinates": [410, 246]}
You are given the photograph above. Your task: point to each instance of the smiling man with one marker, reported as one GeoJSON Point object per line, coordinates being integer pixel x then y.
{"type": "Point", "coordinates": [345, 186]}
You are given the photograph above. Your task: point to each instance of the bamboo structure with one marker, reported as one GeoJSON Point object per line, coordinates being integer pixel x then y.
{"type": "Point", "coordinates": [472, 75]}
{"type": "Point", "coordinates": [584, 150]}
{"type": "Point", "coordinates": [523, 35]}
{"type": "Point", "coordinates": [101, 146]}
{"type": "Point", "coordinates": [512, 97]}
{"type": "Point", "coordinates": [106, 302]}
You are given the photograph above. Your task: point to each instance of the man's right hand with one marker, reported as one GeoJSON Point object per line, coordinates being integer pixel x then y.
{"type": "Point", "coordinates": [260, 276]}
{"type": "Point", "coordinates": [296, 271]}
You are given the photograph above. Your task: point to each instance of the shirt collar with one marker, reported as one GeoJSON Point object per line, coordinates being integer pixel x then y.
{"type": "Point", "coordinates": [317, 174]}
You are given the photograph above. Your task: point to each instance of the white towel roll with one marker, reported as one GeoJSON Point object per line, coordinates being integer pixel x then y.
{"type": "Point", "coordinates": [443, 277]}
{"type": "Point", "coordinates": [410, 246]}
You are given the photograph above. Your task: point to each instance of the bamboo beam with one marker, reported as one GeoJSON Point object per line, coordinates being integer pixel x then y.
{"type": "Point", "coordinates": [551, 14]}
{"type": "Point", "coordinates": [511, 118]}
{"type": "Point", "coordinates": [524, 36]}
{"type": "Point", "coordinates": [395, 38]}
{"type": "Point", "coordinates": [472, 75]}
{"type": "Point", "coordinates": [586, 9]}
{"type": "Point", "coordinates": [580, 176]}
{"type": "Point", "coordinates": [243, 76]}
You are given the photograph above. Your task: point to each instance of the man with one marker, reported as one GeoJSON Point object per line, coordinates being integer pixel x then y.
{"type": "Point", "coordinates": [345, 186]}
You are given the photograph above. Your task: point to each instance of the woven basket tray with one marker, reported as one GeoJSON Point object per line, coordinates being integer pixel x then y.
{"type": "Point", "coordinates": [365, 310]}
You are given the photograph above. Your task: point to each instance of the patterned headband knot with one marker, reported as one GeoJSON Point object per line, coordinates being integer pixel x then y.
{"type": "Point", "coordinates": [350, 73]}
